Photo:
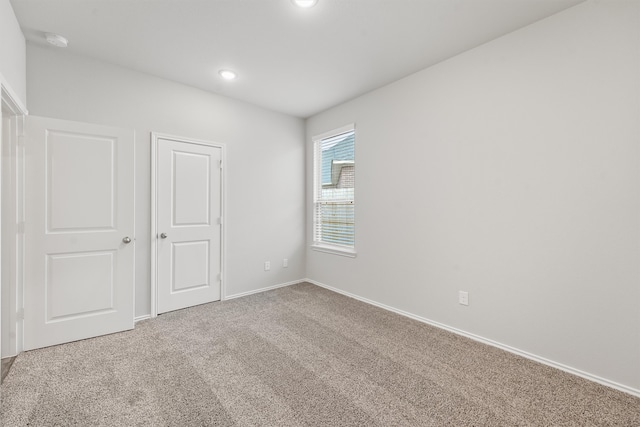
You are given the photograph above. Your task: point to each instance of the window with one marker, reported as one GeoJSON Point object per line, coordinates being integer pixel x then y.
{"type": "Point", "coordinates": [334, 186]}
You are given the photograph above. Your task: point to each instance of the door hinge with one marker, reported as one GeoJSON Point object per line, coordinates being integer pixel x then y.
{"type": "Point", "coordinates": [220, 164]}
{"type": "Point", "coordinates": [20, 314]}
{"type": "Point", "coordinates": [220, 220]}
{"type": "Point", "coordinates": [220, 277]}
{"type": "Point", "coordinates": [20, 227]}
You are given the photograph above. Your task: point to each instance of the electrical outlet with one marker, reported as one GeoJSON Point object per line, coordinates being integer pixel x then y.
{"type": "Point", "coordinates": [285, 263]}
{"type": "Point", "coordinates": [463, 297]}
{"type": "Point", "coordinates": [267, 266]}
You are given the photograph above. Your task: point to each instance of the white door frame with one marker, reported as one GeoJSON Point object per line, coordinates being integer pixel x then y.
{"type": "Point", "coordinates": [155, 137]}
{"type": "Point", "coordinates": [13, 224]}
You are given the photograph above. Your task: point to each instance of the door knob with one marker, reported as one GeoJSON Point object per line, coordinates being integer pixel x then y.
{"type": "Point", "coordinates": [163, 235]}
{"type": "Point", "coordinates": [127, 240]}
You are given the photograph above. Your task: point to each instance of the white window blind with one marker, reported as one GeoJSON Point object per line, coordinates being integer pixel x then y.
{"type": "Point", "coordinates": [334, 201]}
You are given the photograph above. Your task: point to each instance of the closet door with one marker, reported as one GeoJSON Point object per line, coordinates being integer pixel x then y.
{"type": "Point", "coordinates": [189, 222]}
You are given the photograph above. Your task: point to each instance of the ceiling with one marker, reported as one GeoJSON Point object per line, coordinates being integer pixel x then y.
{"type": "Point", "coordinates": [292, 60]}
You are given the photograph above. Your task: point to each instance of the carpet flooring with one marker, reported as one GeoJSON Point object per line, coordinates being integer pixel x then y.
{"type": "Point", "coordinates": [6, 366]}
{"type": "Point", "coordinates": [297, 356]}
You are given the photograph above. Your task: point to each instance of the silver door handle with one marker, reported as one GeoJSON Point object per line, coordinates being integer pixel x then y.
{"type": "Point", "coordinates": [127, 240]}
{"type": "Point", "coordinates": [163, 235]}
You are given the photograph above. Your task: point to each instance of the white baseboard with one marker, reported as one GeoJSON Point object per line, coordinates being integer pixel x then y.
{"type": "Point", "coordinates": [243, 294]}
{"type": "Point", "coordinates": [268, 288]}
{"type": "Point", "coordinates": [539, 359]}
{"type": "Point", "coordinates": [140, 318]}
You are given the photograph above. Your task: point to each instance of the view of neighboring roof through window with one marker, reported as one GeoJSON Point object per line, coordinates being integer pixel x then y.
{"type": "Point", "coordinates": [337, 152]}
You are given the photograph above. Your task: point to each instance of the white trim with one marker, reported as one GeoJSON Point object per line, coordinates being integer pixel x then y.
{"type": "Point", "coordinates": [154, 212]}
{"type": "Point", "coordinates": [14, 198]}
{"type": "Point", "coordinates": [342, 129]}
{"type": "Point", "coordinates": [11, 99]}
{"type": "Point", "coordinates": [21, 168]}
{"type": "Point", "coordinates": [336, 250]}
{"type": "Point", "coordinates": [153, 308]}
{"type": "Point", "coordinates": [2, 202]}
{"type": "Point", "coordinates": [135, 207]}
{"type": "Point", "coordinates": [268, 288]}
{"type": "Point", "coordinates": [141, 318]}
{"type": "Point", "coordinates": [525, 354]}
{"type": "Point", "coordinates": [8, 356]}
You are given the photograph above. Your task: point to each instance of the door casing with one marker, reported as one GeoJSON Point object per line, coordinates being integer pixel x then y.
{"type": "Point", "coordinates": [11, 325]}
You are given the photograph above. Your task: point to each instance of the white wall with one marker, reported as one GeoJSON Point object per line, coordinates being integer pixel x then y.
{"type": "Point", "coordinates": [512, 172]}
{"type": "Point", "coordinates": [264, 169]}
{"type": "Point", "coordinates": [12, 54]}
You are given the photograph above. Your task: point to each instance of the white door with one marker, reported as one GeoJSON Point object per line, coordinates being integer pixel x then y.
{"type": "Point", "coordinates": [79, 225]}
{"type": "Point", "coordinates": [188, 222]}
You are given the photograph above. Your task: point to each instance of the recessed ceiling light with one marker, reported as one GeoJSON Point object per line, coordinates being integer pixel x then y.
{"type": "Point", "coordinates": [227, 74]}
{"type": "Point", "coordinates": [56, 40]}
{"type": "Point", "coordinates": [305, 3]}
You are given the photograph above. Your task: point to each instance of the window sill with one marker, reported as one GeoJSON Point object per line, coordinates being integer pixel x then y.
{"type": "Point", "coordinates": [335, 250]}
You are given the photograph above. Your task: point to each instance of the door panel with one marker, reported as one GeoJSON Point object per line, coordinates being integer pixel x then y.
{"type": "Point", "coordinates": [191, 189]}
{"type": "Point", "coordinates": [189, 206]}
{"type": "Point", "coordinates": [79, 191]}
{"type": "Point", "coordinates": [190, 265]}
{"type": "Point", "coordinates": [72, 183]}
{"type": "Point", "coordinates": [67, 274]}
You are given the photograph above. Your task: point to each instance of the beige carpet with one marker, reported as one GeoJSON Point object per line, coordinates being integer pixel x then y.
{"type": "Point", "coordinates": [296, 356]}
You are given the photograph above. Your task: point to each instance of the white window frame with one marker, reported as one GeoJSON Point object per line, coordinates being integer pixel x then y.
{"type": "Point", "coordinates": [317, 245]}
